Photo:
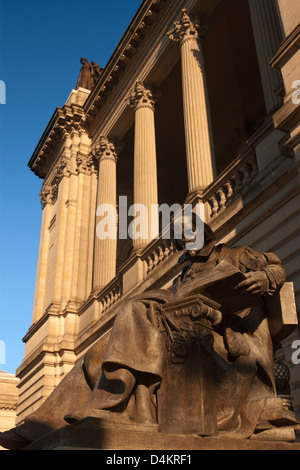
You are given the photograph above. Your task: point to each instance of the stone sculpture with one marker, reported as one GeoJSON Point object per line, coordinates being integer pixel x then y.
{"type": "Point", "coordinates": [89, 74]}
{"type": "Point", "coordinates": [199, 360]}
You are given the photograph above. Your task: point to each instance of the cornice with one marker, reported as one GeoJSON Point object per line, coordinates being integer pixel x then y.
{"type": "Point", "coordinates": [123, 55]}
{"type": "Point", "coordinates": [141, 67]}
{"type": "Point", "coordinates": [65, 120]}
{"type": "Point", "coordinates": [129, 45]}
{"type": "Point", "coordinates": [288, 48]}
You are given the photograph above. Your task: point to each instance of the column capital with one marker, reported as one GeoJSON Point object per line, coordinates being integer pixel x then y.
{"type": "Point", "coordinates": [85, 163]}
{"type": "Point", "coordinates": [49, 191]}
{"type": "Point", "coordinates": [187, 28]}
{"type": "Point", "coordinates": [143, 96]}
{"type": "Point", "coordinates": [47, 194]}
{"type": "Point", "coordinates": [106, 149]}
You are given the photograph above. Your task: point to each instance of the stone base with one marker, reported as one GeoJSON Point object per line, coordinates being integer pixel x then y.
{"type": "Point", "coordinates": [96, 434]}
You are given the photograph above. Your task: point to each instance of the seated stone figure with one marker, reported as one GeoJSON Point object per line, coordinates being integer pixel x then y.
{"type": "Point", "coordinates": [180, 359]}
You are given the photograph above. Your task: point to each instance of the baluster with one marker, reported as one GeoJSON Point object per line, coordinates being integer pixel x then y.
{"type": "Point", "coordinates": [213, 202]}
{"type": "Point", "coordinates": [238, 179]}
{"type": "Point", "coordinates": [229, 190]}
{"type": "Point", "coordinates": [167, 248]}
{"type": "Point", "coordinates": [222, 198]}
{"type": "Point", "coordinates": [155, 259]}
{"type": "Point", "coordinates": [253, 163]}
{"type": "Point", "coordinates": [160, 253]}
{"type": "Point", "coordinates": [247, 170]}
{"type": "Point", "coordinates": [150, 263]}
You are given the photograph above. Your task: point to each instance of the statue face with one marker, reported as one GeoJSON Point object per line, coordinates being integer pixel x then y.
{"type": "Point", "coordinates": [189, 233]}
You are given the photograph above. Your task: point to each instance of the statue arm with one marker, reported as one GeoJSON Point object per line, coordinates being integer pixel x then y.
{"type": "Point", "coordinates": [275, 272]}
{"type": "Point", "coordinates": [266, 281]}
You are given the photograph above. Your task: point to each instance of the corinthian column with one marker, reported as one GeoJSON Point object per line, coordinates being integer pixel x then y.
{"type": "Point", "coordinates": [143, 100]}
{"type": "Point", "coordinates": [268, 36]}
{"type": "Point", "coordinates": [199, 143]}
{"type": "Point", "coordinates": [105, 253]}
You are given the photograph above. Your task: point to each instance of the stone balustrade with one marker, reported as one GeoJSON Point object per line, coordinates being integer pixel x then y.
{"type": "Point", "coordinates": [110, 295]}
{"type": "Point", "coordinates": [233, 183]}
{"type": "Point", "coordinates": [154, 255]}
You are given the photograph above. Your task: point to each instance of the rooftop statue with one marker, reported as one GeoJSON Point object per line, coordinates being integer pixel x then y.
{"type": "Point", "coordinates": [193, 359]}
{"type": "Point", "coordinates": [89, 74]}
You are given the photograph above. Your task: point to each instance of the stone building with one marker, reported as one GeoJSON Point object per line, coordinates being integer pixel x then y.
{"type": "Point", "coordinates": [8, 401]}
{"type": "Point", "coordinates": [198, 103]}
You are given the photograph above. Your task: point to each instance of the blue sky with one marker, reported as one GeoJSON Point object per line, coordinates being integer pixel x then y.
{"type": "Point", "coordinates": [41, 43]}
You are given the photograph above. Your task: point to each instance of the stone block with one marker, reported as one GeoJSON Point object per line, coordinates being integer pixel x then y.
{"type": "Point", "coordinates": [282, 312]}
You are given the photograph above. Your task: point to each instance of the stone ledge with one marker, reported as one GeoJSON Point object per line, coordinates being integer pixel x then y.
{"type": "Point", "coordinates": [95, 434]}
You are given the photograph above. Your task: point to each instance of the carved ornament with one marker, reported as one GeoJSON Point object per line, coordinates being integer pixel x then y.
{"type": "Point", "coordinates": [85, 164]}
{"type": "Point", "coordinates": [106, 149]}
{"type": "Point", "coordinates": [142, 96]}
{"type": "Point", "coordinates": [187, 28]}
{"type": "Point", "coordinates": [49, 192]}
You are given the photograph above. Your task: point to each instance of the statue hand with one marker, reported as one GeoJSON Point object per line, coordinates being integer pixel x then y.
{"type": "Point", "coordinates": [256, 282]}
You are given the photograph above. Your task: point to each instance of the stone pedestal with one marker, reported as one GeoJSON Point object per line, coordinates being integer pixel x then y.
{"type": "Point", "coordinates": [95, 434]}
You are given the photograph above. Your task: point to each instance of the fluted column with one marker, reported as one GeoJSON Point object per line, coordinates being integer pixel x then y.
{"type": "Point", "coordinates": [105, 253]}
{"type": "Point", "coordinates": [199, 143]}
{"type": "Point", "coordinates": [143, 99]}
{"type": "Point", "coordinates": [268, 36]}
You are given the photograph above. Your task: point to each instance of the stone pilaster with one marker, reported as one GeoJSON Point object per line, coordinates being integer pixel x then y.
{"type": "Point", "coordinates": [105, 253]}
{"type": "Point", "coordinates": [268, 36]}
{"type": "Point", "coordinates": [188, 32]}
{"type": "Point", "coordinates": [40, 286]}
{"type": "Point", "coordinates": [143, 100]}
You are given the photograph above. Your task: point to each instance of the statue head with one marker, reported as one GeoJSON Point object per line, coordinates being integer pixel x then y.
{"type": "Point", "coordinates": [197, 238]}
{"type": "Point", "coordinates": [83, 61]}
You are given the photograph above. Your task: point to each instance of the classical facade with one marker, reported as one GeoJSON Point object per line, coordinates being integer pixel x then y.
{"type": "Point", "coordinates": [197, 104]}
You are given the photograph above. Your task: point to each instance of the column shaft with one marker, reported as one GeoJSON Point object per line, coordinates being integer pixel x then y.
{"type": "Point", "coordinates": [199, 144]}
{"type": "Point", "coordinates": [268, 36]}
{"type": "Point", "coordinates": [198, 131]}
{"type": "Point", "coordinates": [105, 253]}
{"type": "Point", "coordinates": [145, 165]}
{"type": "Point", "coordinates": [39, 296]}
